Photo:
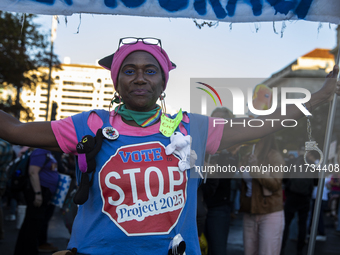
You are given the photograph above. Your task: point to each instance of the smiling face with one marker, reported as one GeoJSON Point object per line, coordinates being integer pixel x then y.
{"type": "Point", "coordinates": [140, 81]}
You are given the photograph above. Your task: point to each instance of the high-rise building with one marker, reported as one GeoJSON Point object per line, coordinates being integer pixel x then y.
{"type": "Point", "coordinates": [76, 88]}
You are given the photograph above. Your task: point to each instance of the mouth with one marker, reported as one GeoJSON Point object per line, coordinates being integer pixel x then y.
{"type": "Point", "coordinates": [140, 92]}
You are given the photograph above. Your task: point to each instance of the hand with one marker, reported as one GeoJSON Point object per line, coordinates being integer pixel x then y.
{"type": "Point", "coordinates": [38, 200]}
{"type": "Point", "coordinates": [331, 85]}
{"type": "Point", "coordinates": [66, 252]}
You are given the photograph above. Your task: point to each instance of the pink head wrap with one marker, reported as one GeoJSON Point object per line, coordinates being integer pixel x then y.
{"type": "Point", "coordinates": [114, 61]}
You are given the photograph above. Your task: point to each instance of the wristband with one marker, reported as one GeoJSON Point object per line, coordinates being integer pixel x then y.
{"type": "Point", "coordinates": [38, 193]}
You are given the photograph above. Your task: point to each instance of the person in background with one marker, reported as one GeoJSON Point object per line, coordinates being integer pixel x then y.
{"type": "Point", "coordinates": [15, 197]}
{"type": "Point", "coordinates": [6, 155]}
{"type": "Point", "coordinates": [290, 159]}
{"type": "Point", "coordinates": [261, 201]}
{"type": "Point", "coordinates": [217, 194]}
{"type": "Point", "coordinates": [43, 184]}
{"type": "Point", "coordinates": [293, 229]}
{"type": "Point", "coordinates": [298, 191]}
{"type": "Point", "coordinates": [235, 190]}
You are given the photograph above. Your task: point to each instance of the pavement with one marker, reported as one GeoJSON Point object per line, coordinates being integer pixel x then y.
{"type": "Point", "coordinates": [58, 235]}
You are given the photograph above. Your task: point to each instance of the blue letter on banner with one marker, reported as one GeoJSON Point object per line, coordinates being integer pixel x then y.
{"type": "Point", "coordinates": [51, 2]}
{"type": "Point", "coordinates": [201, 7]}
{"type": "Point", "coordinates": [303, 8]}
{"type": "Point", "coordinates": [110, 3]}
{"type": "Point", "coordinates": [173, 5]}
{"type": "Point", "coordinates": [133, 3]}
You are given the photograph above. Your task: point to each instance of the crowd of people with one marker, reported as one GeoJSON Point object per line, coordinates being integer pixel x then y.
{"type": "Point", "coordinates": [135, 168]}
{"type": "Point", "coordinates": [268, 205]}
{"type": "Point", "coordinates": [274, 208]}
{"type": "Point", "coordinates": [36, 197]}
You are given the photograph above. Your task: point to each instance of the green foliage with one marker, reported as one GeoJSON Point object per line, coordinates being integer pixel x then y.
{"type": "Point", "coordinates": [26, 113]}
{"type": "Point", "coordinates": [23, 49]}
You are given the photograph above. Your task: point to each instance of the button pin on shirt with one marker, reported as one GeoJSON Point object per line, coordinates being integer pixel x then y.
{"type": "Point", "coordinates": [110, 133]}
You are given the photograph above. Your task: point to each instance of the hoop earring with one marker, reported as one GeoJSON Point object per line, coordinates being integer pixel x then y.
{"type": "Point", "coordinates": [161, 98]}
{"type": "Point", "coordinates": [115, 99]}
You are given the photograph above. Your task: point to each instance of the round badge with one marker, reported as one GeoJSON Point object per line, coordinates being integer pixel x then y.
{"type": "Point", "coordinates": [110, 133]}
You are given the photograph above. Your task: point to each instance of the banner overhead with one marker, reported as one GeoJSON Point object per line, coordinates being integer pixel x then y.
{"type": "Point", "coordinates": [218, 10]}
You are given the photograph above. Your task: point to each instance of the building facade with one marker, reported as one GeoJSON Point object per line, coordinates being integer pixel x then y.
{"type": "Point", "coordinates": [75, 88]}
{"type": "Point", "coordinates": [309, 72]}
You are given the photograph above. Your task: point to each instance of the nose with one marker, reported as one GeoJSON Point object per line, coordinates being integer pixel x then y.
{"type": "Point", "coordinates": [140, 78]}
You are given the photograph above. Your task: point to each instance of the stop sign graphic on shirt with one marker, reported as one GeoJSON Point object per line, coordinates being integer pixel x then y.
{"type": "Point", "coordinates": [143, 190]}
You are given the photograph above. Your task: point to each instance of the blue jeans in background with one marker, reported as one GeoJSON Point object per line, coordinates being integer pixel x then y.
{"type": "Point", "coordinates": [217, 228]}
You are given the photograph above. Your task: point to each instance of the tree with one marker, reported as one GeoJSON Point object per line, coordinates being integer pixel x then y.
{"type": "Point", "coordinates": [23, 50]}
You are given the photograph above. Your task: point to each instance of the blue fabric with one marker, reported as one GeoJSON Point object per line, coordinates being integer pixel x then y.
{"type": "Point", "coordinates": [217, 228]}
{"type": "Point", "coordinates": [48, 174]}
{"type": "Point", "coordinates": [139, 199]}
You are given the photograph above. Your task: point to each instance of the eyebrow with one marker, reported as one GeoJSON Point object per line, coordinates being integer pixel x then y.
{"type": "Point", "coordinates": [147, 65]}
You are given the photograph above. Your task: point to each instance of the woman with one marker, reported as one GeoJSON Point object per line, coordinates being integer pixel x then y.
{"type": "Point", "coordinates": [261, 202]}
{"type": "Point", "coordinates": [44, 179]}
{"type": "Point", "coordinates": [139, 201]}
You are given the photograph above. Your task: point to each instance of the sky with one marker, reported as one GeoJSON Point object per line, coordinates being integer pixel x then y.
{"type": "Point", "coordinates": [238, 50]}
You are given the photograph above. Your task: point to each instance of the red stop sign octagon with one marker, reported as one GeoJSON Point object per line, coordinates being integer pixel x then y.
{"type": "Point", "coordinates": [143, 190]}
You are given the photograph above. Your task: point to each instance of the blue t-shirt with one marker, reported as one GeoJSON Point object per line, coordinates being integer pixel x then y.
{"type": "Point", "coordinates": [48, 173]}
{"type": "Point", "coordinates": [139, 200]}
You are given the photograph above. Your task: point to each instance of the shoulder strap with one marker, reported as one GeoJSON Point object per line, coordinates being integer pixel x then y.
{"type": "Point", "coordinates": [80, 121]}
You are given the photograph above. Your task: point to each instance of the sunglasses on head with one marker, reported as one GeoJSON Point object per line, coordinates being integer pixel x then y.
{"type": "Point", "coordinates": [134, 40]}
{"type": "Point", "coordinates": [107, 61]}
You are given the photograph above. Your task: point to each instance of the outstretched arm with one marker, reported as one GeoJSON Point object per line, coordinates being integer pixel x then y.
{"type": "Point", "coordinates": [35, 182]}
{"type": "Point", "coordinates": [32, 134]}
{"type": "Point", "coordinates": [240, 133]}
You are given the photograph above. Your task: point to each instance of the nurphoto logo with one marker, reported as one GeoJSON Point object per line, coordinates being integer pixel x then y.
{"type": "Point", "coordinates": [246, 98]}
